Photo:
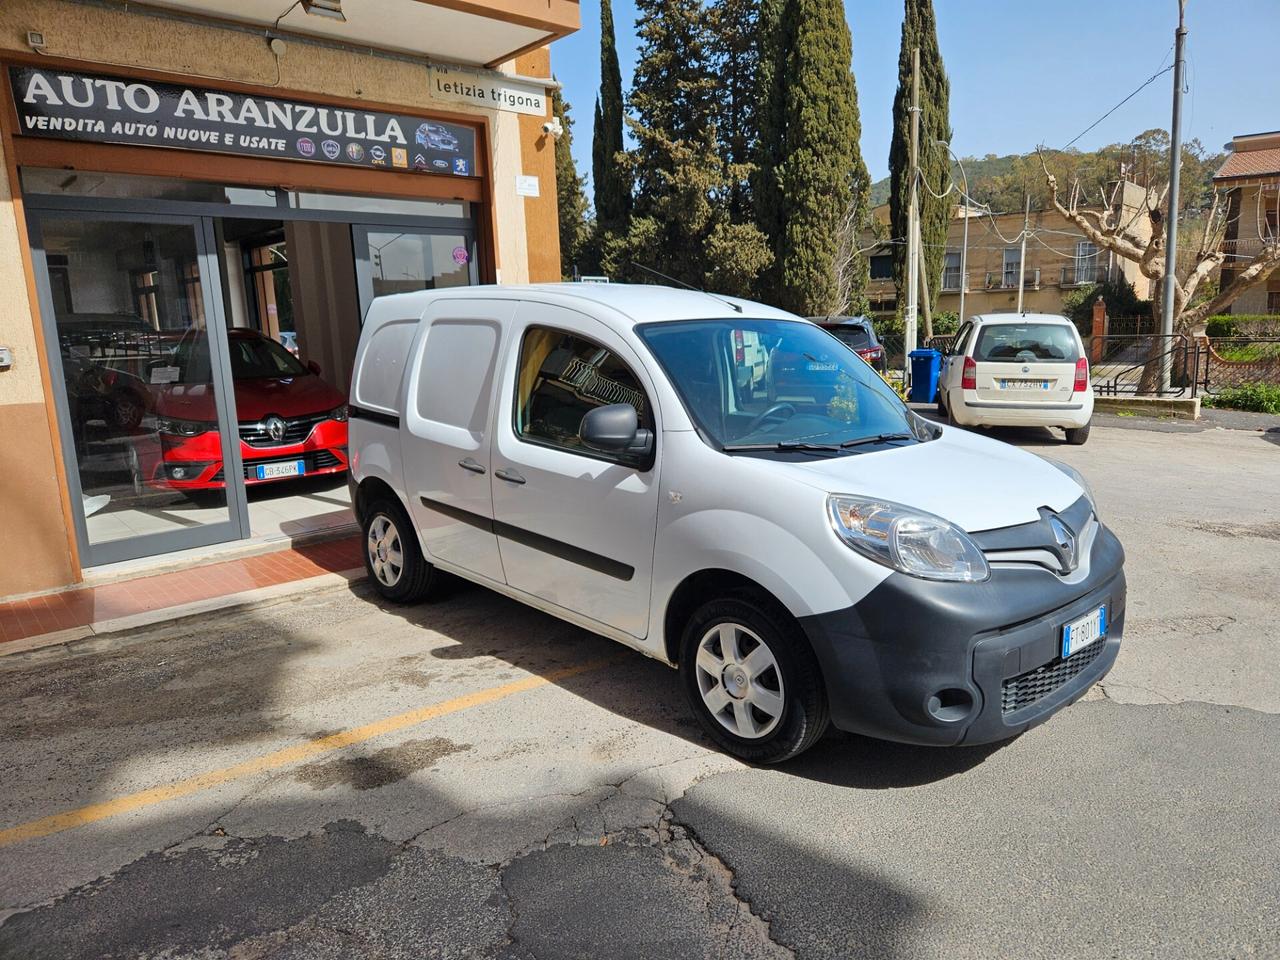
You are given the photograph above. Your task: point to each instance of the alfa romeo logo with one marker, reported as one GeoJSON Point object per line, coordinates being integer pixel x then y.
{"type": "Point", "coordinates": [275, 428]}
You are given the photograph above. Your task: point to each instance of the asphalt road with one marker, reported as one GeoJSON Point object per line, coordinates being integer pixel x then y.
{"type": "Point", "coordinates": [327, 777]}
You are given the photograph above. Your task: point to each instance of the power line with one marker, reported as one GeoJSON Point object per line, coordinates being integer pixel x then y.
{"type": "Point", "coordinates": [1150, 80]}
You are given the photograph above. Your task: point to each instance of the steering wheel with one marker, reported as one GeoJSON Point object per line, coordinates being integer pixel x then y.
{"type": "Point", "coordinates": [773, 412]}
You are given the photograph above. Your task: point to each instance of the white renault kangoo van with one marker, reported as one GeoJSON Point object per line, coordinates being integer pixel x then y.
{"type": "Point", "coordinates": [730, 489]}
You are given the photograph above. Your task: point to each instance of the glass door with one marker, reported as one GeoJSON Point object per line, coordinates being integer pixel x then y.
{"type": "Point", "coordinates": [137, 344]}
{"type": "Point", "coordinates": [399, 259]}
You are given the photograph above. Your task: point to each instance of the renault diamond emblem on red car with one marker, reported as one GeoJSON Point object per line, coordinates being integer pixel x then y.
{"type": "Point", "coordinates": [275, 428]}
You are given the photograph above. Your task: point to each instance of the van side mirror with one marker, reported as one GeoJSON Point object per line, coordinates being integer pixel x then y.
{"type": "Point", "coordinates": [313, 367]}
{"type": "Point", "coordinates": [616, 429]}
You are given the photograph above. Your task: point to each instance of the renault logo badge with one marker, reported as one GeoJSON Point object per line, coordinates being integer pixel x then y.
{"type": "Point", "coordinates": [275, 428]}
{"type": "Point", "coordinates": [1066, 543]}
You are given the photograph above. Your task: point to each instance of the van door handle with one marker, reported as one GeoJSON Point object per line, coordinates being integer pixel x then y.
{"type": "Point", "coordinates": [468, 464]}
{"type": "Point", "coordinates": [508, 475]}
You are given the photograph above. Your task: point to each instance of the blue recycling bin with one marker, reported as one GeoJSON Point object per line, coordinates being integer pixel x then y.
{"type": "Point", "coordinates": [925, 366]}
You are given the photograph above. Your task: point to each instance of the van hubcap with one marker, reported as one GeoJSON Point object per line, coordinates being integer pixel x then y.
{"type": "Point", "coordinates": [739, 680]}
{"type": "Point", "coordinates": [386, 557]}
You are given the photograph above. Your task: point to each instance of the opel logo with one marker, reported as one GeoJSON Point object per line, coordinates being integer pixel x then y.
{"type": "Point", "coordinates": [1066, 543]}
{"type": "Point", "coordinates": [275, 428]}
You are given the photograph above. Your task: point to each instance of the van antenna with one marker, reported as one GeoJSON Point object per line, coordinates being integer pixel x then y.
{"type": "Point", "coordinates": [688, 286]}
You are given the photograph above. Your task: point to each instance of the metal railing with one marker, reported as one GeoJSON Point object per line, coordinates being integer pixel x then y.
{"type": "Point", "coordinates": [1233, 362]}
{"type": "Point", "coordinates": [1077, 275]}
{"type": "Point", "coordinates": [1129, 365]}
{"type": "Point", "coordinates": [999, 280]}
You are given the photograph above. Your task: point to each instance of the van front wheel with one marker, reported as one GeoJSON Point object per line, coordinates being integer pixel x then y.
{"type": "Point", "coordinates": [752, 679]}
{"type": "Point", "coordinates": [392, 558]}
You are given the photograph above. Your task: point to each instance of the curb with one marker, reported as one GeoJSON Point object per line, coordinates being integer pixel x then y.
{"type": "Point", "coordinates": [245, 598]}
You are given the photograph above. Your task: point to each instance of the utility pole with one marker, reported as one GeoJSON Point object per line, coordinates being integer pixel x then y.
{"type": "Point", "coordinates": [913, 219]}
{"type": "Point", "coordinates": [964, 246]}
{"type": "Point", "coordinates": [1171, 218]}
{"type": "Point", "coordinates": [1022, 257]}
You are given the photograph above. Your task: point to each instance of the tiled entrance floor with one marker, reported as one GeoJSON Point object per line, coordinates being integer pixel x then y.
{"type": "Point", "coordinates": [86, 606]}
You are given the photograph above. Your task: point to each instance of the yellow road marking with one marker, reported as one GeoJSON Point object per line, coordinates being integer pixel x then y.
{"type": "Point", "coordinates": [280, 758]}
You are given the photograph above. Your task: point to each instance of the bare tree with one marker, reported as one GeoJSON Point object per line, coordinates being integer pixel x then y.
{"type": "Point", "coordinates": [1103, 225]}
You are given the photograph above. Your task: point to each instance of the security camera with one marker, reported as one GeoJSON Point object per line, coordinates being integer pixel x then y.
{"type": "Point", "coordinates": [554, 127]}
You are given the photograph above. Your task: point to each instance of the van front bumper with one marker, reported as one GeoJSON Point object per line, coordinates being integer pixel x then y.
{"type": "Point", "coordinates": [934, 663]}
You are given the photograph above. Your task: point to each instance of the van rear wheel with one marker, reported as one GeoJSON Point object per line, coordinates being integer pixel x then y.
{"type": "Point", "coordinates": [752, 679]}
{"type": "Point", "coordinates": [392, 558]}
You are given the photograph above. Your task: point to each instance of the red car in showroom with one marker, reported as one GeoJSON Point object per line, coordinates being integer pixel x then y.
{"type": "Point", "coordinates": [291, 423]}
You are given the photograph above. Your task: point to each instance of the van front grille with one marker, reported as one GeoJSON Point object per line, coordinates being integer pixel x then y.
{"type": "Point", "coordinates": [1028, 688]}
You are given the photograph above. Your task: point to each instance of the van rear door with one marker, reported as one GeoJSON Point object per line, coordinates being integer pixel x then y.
{"type": "Point", "coordinates": [445, 446]}
{"type": "Point", "coordinates": [1026, 362]}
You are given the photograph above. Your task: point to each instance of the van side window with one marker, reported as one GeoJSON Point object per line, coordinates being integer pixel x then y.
{"type": "Point", "coordinates": [561, 377]}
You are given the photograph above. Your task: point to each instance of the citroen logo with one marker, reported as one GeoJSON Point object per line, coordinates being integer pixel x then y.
{"type": "Point", "coordinates": [275, 428]}
{"type": "Point", "coordinates": [1066, 543]}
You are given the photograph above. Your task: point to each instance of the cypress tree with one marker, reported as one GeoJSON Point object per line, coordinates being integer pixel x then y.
{"type": "Point", "coordinates": [809, 155]}
{"type": "Point", "coordinates": [571, 202]}
{"type": "Point", "coordinates": [610, 178]}
{"type": "Point", "coordinates": [919, 30]}
{"type": "Point", "coordinates": [680, 223]}
{"type": "Point", "coordinates": [735, 62]}
{"type": "Point", "coordinates": [773, 38]}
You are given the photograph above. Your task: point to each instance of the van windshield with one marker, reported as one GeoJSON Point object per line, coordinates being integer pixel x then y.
{"type": "Point", "coordinates": [778, 385]}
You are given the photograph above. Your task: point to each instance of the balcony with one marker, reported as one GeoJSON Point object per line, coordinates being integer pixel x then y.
{"type": "Point", "coordinates": [1079, 275]}
{"type": "Point", "coordinates": [1005, 280]}
{"type": "Point", "coordinates": [473, 32]}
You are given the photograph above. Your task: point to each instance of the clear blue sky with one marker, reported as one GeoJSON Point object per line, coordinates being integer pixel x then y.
{"type": "Point", "coordinates": [1024, 72]}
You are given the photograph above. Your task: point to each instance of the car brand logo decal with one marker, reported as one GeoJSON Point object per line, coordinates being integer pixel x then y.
{"type": "Point", "coordinates": [306, 146]}
{"type": "Point", "coordinates": [1066, 543]}
{"type": "Point", "coordinates": [460, 166]}
{"type": "Point", "coordinates": [331, 149]}
{"type": "Point", "coordinates": [355, 152]}
{"type": "Point", "coordinates": [275, 428]}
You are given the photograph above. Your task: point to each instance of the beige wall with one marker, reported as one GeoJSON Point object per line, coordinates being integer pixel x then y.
{"type": "Point", "coordinates": [1049, 250]}
{"type": "Point", "coordinates": [34, 537]}
{"type": "Point", "coordinates": [1250, 230]}
{"type": "Point", "coordinates": [119, 38]}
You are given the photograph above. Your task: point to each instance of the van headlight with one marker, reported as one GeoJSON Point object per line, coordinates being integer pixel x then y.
{"type": "Point", "coordinates": [1078, 477]}
{"type": "Point", "coordinates": [912, 541]}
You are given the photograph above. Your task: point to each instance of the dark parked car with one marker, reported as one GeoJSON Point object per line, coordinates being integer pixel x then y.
{"type": "Point", "coordinates": [859, 334]}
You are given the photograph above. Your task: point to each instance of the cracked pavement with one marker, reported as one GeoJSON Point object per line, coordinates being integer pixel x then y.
{"type": "Point", "coordinates": [588, 817]}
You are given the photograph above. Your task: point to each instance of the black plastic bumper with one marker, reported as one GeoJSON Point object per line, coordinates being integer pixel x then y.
{"type": "Point", "coordinates": [925, 662]}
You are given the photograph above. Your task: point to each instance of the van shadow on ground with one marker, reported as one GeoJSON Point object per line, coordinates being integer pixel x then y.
{"type": "Point", "coordinates": [646, 691]}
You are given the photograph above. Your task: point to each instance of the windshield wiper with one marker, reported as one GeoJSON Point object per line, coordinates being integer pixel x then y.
{"type": "Point", "coordinates": [782, 445]}
{"type": "Point", "coordinates": [878, 438]}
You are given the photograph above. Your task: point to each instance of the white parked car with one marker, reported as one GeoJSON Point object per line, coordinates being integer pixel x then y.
{"type": "Point", "coordinates": [1018, 370]}
{"type": "Point", "coordinates": [828, 557]}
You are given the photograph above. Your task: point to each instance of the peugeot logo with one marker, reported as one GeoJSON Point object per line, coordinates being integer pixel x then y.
{"type": "Point", "coordinates": [1065, 541]}
{"type": "Point", "coordinates": [275, 428]}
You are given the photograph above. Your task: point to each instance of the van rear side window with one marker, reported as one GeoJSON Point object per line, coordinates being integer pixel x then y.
{"type": "Point", "coordinates": [378, 379]}
{"type": "Point", "coordinates": [457, 373]}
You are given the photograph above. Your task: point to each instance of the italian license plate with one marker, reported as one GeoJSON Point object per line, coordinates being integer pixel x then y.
{"type": "Point", "coordinates": [1024, 384]}
{"type": "Point", "coordinates": [288, 468]}
{"type": "Point", "coordinates": [1090, 628]}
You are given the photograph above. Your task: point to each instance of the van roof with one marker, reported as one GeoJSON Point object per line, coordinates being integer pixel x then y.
{"type": "Point", "coordinates": [638, 303]}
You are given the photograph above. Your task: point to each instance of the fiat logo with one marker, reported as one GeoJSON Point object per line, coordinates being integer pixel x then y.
{"type": "Point", "coordinates": [275, 428]}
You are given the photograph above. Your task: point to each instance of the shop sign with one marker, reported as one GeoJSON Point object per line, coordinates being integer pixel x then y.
{"type": "Point", "coordinates": [492, 91]}
{"type": "Point", "coordinates": [65, 105]}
